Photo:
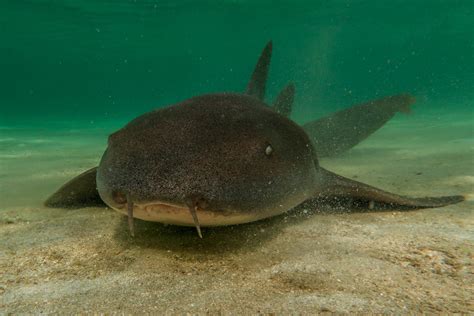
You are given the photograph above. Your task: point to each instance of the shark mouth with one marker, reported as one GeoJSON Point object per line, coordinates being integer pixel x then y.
{"type": "Point", "coordinates": [182, 215]}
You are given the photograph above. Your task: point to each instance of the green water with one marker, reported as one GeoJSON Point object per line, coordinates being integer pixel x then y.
{"type": "Point", "coordinates": [74, 71]}
{"type": "Point", "coordinates": [101, 60]}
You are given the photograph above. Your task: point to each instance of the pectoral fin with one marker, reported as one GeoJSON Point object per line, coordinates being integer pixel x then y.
{"type": "Point", "coordinates": [79, 192]}
{"type": "Point", "coordinates": [335, 186]}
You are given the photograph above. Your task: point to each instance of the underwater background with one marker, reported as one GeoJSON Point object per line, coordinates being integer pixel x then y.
{"type": "Point", "coordinates": [74, 71]}
{"type": "Point", "coordinates": [102, 60]}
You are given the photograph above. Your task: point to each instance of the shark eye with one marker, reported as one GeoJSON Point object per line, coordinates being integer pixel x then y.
{"type": "Point", "coordinates": [268, 150]}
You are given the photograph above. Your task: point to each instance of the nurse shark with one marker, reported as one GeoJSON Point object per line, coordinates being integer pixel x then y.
{"type": "Point", "coordinates": [230, 158]}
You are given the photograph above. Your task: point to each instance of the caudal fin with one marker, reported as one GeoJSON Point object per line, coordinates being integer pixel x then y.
{"type": "Point", "coordinates": [340, 131]}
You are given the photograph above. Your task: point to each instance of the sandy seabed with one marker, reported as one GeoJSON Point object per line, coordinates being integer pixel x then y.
{"type": "Point", "coordinates": [312, 259]}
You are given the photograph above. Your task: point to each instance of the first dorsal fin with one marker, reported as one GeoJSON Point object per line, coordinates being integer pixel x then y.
{"type": "Point", "coordinates": [284, 102]}
{"type": "Point", "coordinates": [258, 81]}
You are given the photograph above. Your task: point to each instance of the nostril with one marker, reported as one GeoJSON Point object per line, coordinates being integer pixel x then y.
{"type": "Point", "coordinates": [119, 197]}
{"type": "Point", "coordinates": [197, 201]}
{"type": "Point", "coordinates": [202, 204]}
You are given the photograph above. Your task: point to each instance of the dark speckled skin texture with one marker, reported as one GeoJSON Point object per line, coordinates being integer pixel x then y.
{"type": "Point", "coordinates": [211, 147]}
{"type": "Point", "coordinates": [230, 154]}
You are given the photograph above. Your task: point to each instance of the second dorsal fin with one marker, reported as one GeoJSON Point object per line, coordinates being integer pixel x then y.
{"type": "Point", "coordinates": [284, 102]}
{"type": "Point", "coordinates": [258, 81]}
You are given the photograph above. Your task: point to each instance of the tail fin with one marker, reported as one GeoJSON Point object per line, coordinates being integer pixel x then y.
{"type": "Point", "coordinates": [405, 104]}
{"type": "Point", "coordinates": [340, 131]}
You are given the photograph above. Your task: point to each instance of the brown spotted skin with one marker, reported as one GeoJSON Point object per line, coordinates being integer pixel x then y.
{"type": "Point", "coordinates": [233, 159]}
{"type": "Point", "coordinates": [213, 150]}
{"type": "Point", "coordinates": [211, 147]}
